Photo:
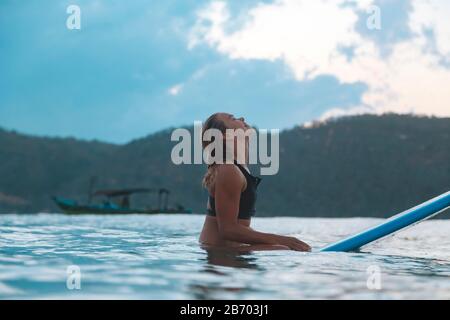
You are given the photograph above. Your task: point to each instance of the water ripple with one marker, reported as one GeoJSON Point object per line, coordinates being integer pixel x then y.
{"type": "Point", "coordinates": [158, 257]}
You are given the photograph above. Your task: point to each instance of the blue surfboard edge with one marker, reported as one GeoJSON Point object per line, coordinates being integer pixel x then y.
{"type": "Point", "coordinates": [396, 223]}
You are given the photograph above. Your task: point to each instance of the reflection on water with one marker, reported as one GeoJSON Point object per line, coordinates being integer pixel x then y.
{"type": "Point", "coordinates": [228, 258]}
{"type": "Point", "coordinates": [158, 257]}
{"type": "Point", "coordinates": [215, 259]}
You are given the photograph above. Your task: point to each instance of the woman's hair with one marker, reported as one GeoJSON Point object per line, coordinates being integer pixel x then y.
{"type": "Point", "coordinates": [211, 123]}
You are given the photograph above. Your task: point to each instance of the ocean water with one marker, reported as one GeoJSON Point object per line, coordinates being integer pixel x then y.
{"type": "Point", "coordinates": [54, 256]}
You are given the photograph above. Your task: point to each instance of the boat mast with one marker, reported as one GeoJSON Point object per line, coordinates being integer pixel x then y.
{"type": "Point", "coordinates": [92, 182]}
{"type": "Point", "coordinates": [165, 199]}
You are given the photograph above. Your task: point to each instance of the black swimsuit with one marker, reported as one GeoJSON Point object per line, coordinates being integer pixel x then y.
{"type": "Point", "coordinates": [248, 197]}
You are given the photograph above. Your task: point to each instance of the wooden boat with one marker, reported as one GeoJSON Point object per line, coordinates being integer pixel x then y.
{"type": "Point", "coordinates": [109, 206]}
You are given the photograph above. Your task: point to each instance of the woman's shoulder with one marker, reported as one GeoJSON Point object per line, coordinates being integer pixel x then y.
{"type": "Point", "coordinates": [229, 172]}
{"type": "Point", "coordinates": [227, 168]}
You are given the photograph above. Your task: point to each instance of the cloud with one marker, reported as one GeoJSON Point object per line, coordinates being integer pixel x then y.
{"type": "Point", "coordinates": [308, 36]}
{"type": "Point", "coordinates": [95, 82]}
{"type": "Point", "coordinates": [129, 71]}
{"type": "Point", "coordinates": [433, 16]}
{"type": "Point", "coordinates": [264, 92]}
{"type": "Point", "coordinates": [296, 31]}
{"type": "Point", "coordinates": [139, 67]}
{"type": "Point", "coordinates": [394, 21]}
{"type": "Point", "coordinates": [175, 90]}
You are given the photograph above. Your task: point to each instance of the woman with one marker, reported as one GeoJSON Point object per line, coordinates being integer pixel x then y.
{"type": "Point", "coordinates": [232, 197]}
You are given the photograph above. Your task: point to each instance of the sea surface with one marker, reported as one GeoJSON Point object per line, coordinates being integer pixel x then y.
{"type": "Point", "coordinates": [55, 256]}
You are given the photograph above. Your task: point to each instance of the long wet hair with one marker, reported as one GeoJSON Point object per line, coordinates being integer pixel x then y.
{"type": "Point", "coordinates": [211, 123]}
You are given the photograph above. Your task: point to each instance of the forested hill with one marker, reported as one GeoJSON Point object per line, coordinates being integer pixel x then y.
{"type": "Point", "coordinates": [356, 166]}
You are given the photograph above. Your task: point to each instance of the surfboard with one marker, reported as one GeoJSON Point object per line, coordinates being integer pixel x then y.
{"type": "Point", "coordinates": [396, 223]}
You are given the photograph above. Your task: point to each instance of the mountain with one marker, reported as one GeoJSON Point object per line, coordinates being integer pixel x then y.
{"type": "Point", "coordinates": [356, 166]}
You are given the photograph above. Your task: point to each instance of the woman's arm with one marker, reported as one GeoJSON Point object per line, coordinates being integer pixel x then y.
{"type": "Point", "coordinates": [228, 187]}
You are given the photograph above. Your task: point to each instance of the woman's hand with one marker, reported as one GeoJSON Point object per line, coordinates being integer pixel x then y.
{"type": "Point", "coordinates": [294, 243]}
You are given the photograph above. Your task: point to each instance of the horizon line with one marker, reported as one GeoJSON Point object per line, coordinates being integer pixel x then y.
{"type": "Point", "coordinates": [305, 125]}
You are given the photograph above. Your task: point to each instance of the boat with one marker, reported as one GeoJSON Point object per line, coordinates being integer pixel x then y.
{"type": "Point", "coordinates": [117, 201]}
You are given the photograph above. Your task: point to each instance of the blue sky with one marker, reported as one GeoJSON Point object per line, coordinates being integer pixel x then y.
{"type": "Point", "coordinates": [134, 68]}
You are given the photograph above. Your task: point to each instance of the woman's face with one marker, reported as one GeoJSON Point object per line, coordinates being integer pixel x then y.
{"type": "Point", "coordinates": [231, 122]}
{"type": "Point", "coordinates": [240, 147]}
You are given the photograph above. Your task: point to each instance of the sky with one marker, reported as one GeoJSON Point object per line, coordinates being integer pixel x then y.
{"type": "Point", "coordinates": [137, 67]}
